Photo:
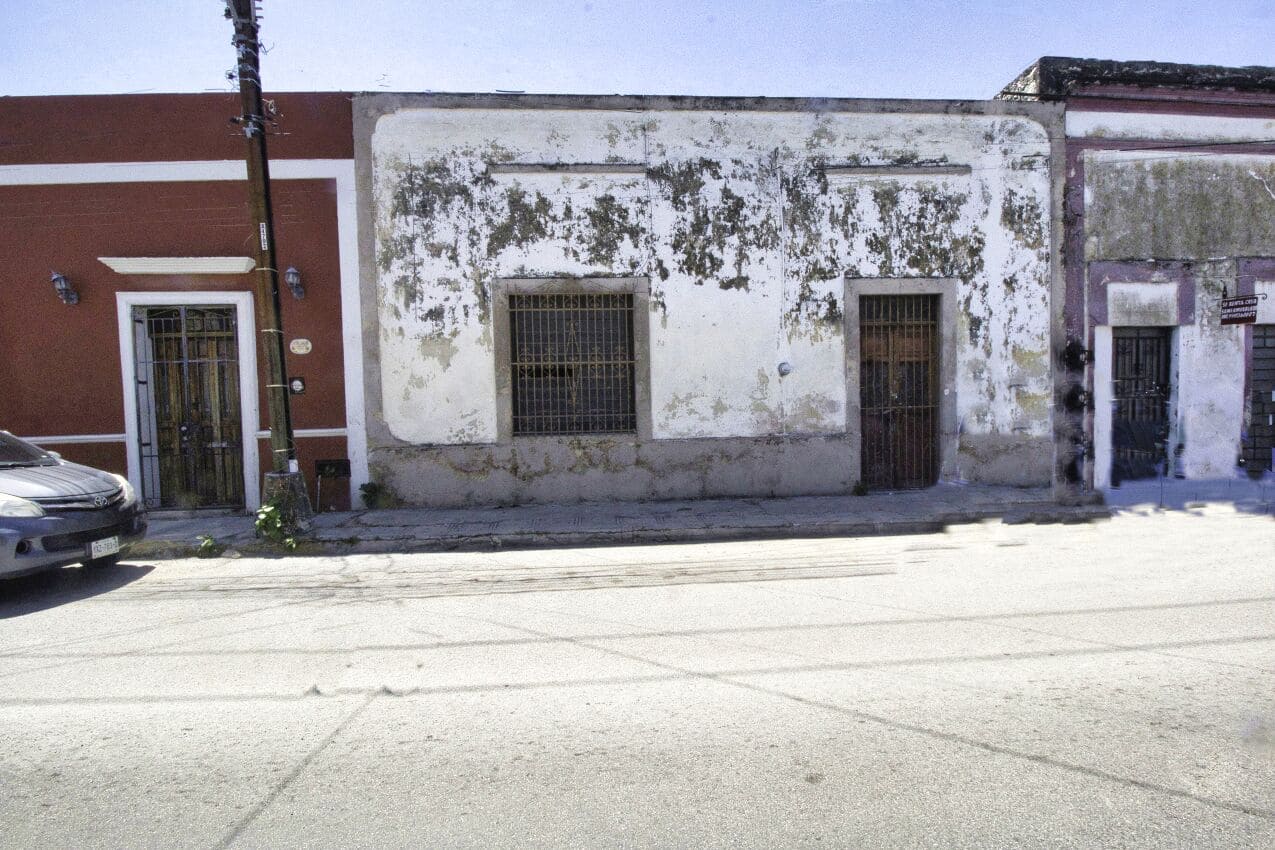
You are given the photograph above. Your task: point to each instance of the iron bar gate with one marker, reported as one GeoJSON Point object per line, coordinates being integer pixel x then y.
{"type": "Point", "coordinates": [1259, 447]}
{"type": "Point", "coordinates": [1140, 390]}
{"type": "Point", "coordinates": [898, 345]}
{"type": "Point", "coordinates": [190, 420]}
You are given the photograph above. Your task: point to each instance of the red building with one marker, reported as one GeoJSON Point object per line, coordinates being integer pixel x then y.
{"type": "Point", "coordinates": [142, 356]}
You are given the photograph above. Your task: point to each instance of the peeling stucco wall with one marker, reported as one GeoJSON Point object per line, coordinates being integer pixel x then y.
{"type": "Point", "coordinates": [746, 224]}
{"type": "Point", "coordinates": [1175, 206]}
{"type": "Point", "coordinates": [1205, 208]}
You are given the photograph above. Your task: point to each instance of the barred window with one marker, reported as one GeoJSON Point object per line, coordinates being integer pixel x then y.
{"type": "Point", "coordinates": [572, 363]}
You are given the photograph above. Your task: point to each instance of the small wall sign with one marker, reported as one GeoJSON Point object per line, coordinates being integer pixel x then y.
{"type": "Point", "coordinates": [296, 385]}
{"type": "Point", "coordinates": [300, 346]}
{"type": "Point", "coordinates": [1241, 310]}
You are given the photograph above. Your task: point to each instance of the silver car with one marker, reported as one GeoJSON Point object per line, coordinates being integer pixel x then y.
{"type": "Point", "coordinates": [54, 513]}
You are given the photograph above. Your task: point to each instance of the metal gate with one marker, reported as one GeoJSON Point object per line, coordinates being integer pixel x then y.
{"type": "Point", "coordinates": [1141, 387]}
{"type": "Point", "coordinates": [898, 345]}
{"type": "Point", "coordinates": [1259, 443]}
{"type": "Point", "coordinates": [190, 423]}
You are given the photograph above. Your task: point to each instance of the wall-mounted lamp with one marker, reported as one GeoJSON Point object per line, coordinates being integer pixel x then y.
{"type": "Point", "coordinates": [292, 277]}
{"type": "Point", "coordinates": [65, 291]}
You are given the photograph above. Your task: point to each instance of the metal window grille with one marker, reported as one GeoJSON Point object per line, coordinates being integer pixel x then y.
{"type": "Point", "coordinates": [1141, 387]}
{"type": "Point", "coordinates": [899, 390]}
{"type": "Point", "coordinates": [572, 363]}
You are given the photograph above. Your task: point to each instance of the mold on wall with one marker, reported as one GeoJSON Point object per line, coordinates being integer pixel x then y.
{"type": "Point", "coordinates": [746, 225]}
{"type": "Point", "coordinates": [1161, 205]}
{"type": "Point", "coordinates": [1201, 211]}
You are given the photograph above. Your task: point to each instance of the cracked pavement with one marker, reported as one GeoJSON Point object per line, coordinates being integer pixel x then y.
{"type": "Point", "coordinates": [1110, 684]}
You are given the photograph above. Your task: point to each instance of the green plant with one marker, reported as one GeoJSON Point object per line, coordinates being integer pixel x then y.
{"type": "Point", "coordinates": [276, 526]}
{"type": "Point", "coordinates": [374, 495]}
{"type": "Point", "coordinates": [208, 548]}
{"type": "Point", "coordinates": [860, 489]}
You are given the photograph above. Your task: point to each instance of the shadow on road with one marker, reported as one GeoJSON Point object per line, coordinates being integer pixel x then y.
{"type": "Point", "coordinates": [42, 591]}
{"type": "Point", "coordinates": [1245, 495]}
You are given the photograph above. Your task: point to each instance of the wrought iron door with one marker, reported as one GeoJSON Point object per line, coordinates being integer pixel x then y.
{"type": "Point", "coordinates": [191, 425]}
{"type": "Point", "coordinates": [898, 390]}
{"type": "Point", "coordinates": [1259, 442]}
{"type": "Point", "coordinates": [1140, 390]}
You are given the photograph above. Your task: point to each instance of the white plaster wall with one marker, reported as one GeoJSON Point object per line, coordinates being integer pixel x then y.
{"type": "Point", "coordinates": [1103, 405]}
{"type": "Point", "coordinates": [1208, 394]}
{"type": "Point", "coordinates": [1211, 391]}
{"type": "Point", "coordinates": [1266, 305]}
{"type": "Point", "coordinates": [1149, 304]}
{"type": "Point", "coordinates": [746, 265]}
{"type": "Point", "coordinates": [1133, 125]}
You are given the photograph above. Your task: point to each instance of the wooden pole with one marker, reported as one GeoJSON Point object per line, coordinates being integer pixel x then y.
{"type": "Point", "coordinates": [252, 121]}
{"type": "Point", "coordinates": [284, 485]}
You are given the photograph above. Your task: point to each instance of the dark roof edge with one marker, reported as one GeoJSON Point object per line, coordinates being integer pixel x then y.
{"type": "Point", "coordinates": [389, 101]}
{"type": "Point", "coordinates": [1054, 77]}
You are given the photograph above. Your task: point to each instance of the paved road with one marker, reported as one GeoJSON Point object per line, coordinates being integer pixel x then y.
{"type": "Point", "coordinates": [1081, 686]}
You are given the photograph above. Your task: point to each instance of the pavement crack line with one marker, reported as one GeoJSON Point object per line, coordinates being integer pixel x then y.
{"type": "Point", "coordinates": [672, 672]}
{"type": "Point", "coordinates": [257, 810]}
{"type": "Point", "coordinates": [986, 620]}
{"type": "Point", "coordinates": [152, 651]}
{"type": "Point", "coordinates": [163, 650]}
{"type": "Point", "coordinates": [917, 729]}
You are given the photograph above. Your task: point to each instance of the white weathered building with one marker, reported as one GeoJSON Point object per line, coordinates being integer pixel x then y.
{"type": "Point", "coordinates": [1170, 207]}
{"type": "Point", "coordinates": [631, 297]}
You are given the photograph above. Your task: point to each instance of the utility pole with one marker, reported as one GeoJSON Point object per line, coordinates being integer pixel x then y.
{"type": "Point", "coordinates": [285, 482]}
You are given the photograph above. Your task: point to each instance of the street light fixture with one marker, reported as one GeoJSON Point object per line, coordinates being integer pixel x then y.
{"type": "Point", "coordinates": [66, 292]}
{"type": "Point", "coordinates": [292, 277]}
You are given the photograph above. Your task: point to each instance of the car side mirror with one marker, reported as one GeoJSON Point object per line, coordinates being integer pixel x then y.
{"type": "Point", "coordinates": [54, 455]}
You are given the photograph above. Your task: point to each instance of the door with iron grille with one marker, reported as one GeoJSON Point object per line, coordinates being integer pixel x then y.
{"type": "Point", "coordinates": [1259, 442]}
{"type": "Point", "coordinates": [1140, 389]}
{"type": "Point", "coordinates": [898, 391]}
{"type": "Point", "coordinates": [190, 424]}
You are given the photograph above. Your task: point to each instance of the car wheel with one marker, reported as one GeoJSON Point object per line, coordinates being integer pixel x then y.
{"type": "Point", "coordinates": [98, 563]}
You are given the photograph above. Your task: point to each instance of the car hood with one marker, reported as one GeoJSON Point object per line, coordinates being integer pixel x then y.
{"type": "Point", "coordinates": [50, 482]}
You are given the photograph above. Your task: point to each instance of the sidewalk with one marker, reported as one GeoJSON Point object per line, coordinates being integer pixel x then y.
{"type": "Point", "coordinates": [617, 523]}
{"type": "Point", "coordinates": [1245, 494]}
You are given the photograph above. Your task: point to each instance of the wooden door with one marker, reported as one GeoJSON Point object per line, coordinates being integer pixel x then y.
{"type": "Point", "coordinates": [188, 400]}
{"type": "Point", "coordinates": [898, 391]}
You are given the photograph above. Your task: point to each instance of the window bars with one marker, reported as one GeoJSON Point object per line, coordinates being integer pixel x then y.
{"type": "Point", "coordinates": [572, 363]}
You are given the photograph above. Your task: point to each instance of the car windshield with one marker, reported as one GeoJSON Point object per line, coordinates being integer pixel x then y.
{"type": "Point", "coordinates": [15, 452]}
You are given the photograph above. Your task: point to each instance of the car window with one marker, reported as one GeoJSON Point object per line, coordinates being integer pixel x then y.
{"type": "Point", "coordinates": [15, 452]}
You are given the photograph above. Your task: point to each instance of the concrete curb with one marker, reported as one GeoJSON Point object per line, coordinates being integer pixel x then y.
{"type": "Point", "coordinates": [514, 540]}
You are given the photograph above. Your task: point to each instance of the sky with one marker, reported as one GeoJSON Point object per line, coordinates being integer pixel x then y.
{"type": "Point", "coordinates": [828, 48]}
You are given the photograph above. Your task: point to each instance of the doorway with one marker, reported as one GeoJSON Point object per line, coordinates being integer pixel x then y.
{"type": "Point", "coordinates": [190, 435]}
{"type": "Point", "coordinates": [1259, 444]}
{"type": "Point", "coordinates": [1141, 386]}
{"type": "Point", "coordinates": [898, 390]}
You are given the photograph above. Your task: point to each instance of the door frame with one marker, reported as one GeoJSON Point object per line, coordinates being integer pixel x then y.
{"type": "Point", "coordinates": [1104, 398]}
{"type": "Point", "coordinates": [947, 431]}
{"type": "Point", "coordinates": [245, 319]}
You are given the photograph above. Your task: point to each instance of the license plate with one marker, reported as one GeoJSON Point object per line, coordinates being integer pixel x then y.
{"type": "Point", "coordinates": [102, 548]}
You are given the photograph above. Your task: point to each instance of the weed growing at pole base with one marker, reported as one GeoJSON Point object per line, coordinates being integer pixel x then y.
{"type": "Point", "coordinates": [277, 523]}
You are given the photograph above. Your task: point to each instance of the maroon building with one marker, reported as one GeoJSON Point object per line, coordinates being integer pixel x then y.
{"type": "Point", "coordinates": [128, 340]}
